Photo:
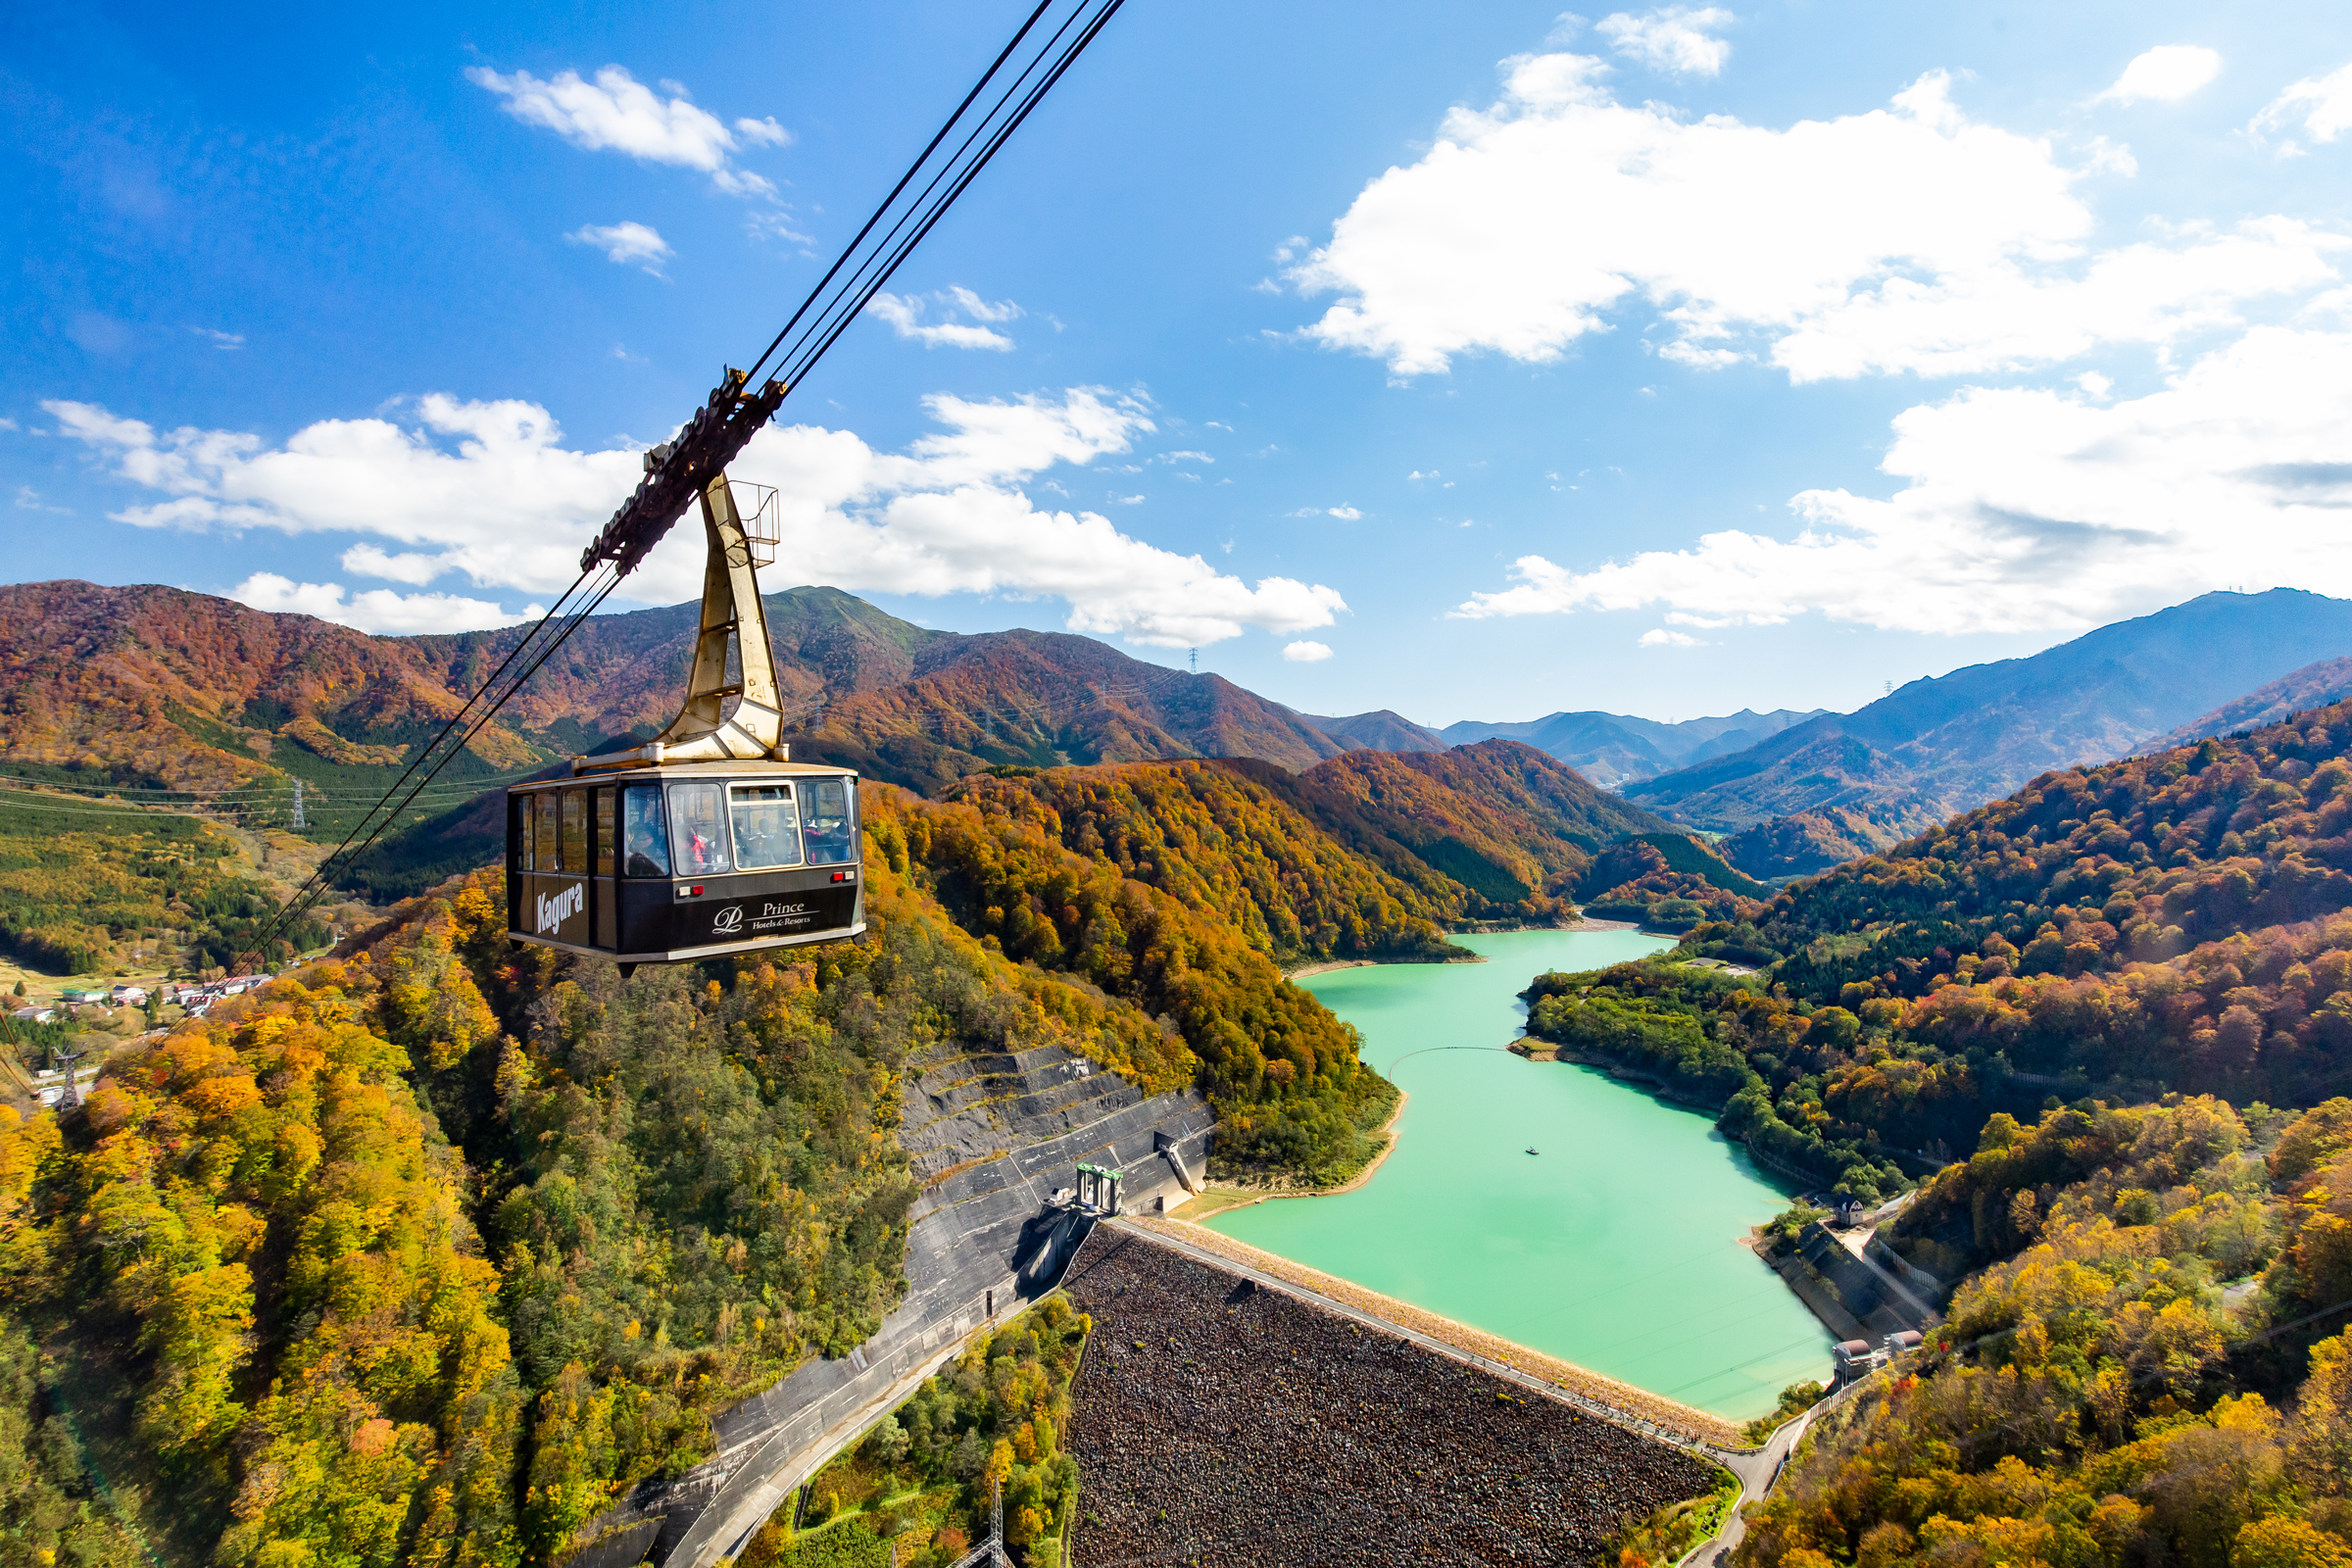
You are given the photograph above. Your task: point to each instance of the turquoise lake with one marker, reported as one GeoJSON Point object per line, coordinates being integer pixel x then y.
{"type": "Point", "coordinates": [1615, 1246]}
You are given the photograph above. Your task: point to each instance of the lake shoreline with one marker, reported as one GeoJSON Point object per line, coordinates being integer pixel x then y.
{"type": "Point", "coordinates": [1386, 1130]}
{"type": "Point", "coordinates": [1468, 1001]}
{"type": "Point", "coordinates": [1333, 966]}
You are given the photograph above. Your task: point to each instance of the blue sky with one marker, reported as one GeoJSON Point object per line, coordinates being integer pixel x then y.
{"type": "Point", "coordinates": [1474, 361]}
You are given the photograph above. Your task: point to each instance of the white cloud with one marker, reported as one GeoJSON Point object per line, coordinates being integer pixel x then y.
{"type": "Point", "coordinates": [1303, 653]}
{"type": "Point", "coordinates": [409, 566]}
{"type": "Point", "coordinates": [2165, 73]}
{"type": "Point", "coordinates": [2322, 105]}
{"type": "Point", "coordinates": [1677, 38]}
{"type": "Point", "coordinates": [29, 500]}
{"type": "Point", "coordinates": [620, 112]}
{"type": "Point", "coordinates": [1660, 637]}
{"type": "Point", "coordinates": [1908, 238]}
{"type": "Point", "coordinates": [944, 519]}
{"type": "Point", "coordinates": [1344, 513]}
{"type": "Point", "coordinates": [379, 610]}
{"type": "Point", "coordinates": [486, 487]}
{"type": "Point", "coordinates": [626, 242]}
{"type": "Point", "coordinates": [488, 490]}
{"type": "Point", "coordinates": [904, 316]}
{"type": "Point", "coordinates": [2036, 510]}
{"type": "Point", "coordinates": [220, 339]}
{"type": "Point", "coordinates": [978, 308]}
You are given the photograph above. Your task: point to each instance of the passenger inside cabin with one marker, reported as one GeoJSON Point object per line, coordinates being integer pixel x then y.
{"type": "Point", "coordinates": [644, 845]}
{"type": "Point", "coordinates": [697, 826]}
{"type": "Point", "coordinates": [825, 826]}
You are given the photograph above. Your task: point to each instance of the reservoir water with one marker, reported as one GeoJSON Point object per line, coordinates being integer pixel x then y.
{"type": "Point", "coordinates": [1615, 1246]}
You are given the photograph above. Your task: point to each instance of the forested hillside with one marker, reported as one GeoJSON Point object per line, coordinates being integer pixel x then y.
{"type": "Point", "coordinates": [1232, 850]}
{"type": "Point", "coordinates": [2173, 922]}
{"type": "Point", "coordinates": [1515, 827]}
{"type": "Point", "coordinates": [1364, 856]}
{"type": "Point", "coordinates": [2097, 1395]}
{"type": "Point", "coordinates": [425, 1252]}
{"type": "Point", "coordinates": [2101, 986]}
{"type": "Point", "coordinates": [2313, 686]}
{"type": "Point", "coordinates": [85, 886]}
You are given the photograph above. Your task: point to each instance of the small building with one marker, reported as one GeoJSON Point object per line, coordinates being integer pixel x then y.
{"type": "Point", "coordinates": [129, 996]}
{"type": "Point", "coordinates": [1900, 1341]}
{"type": "Point", "coordinates": [81, 996]}
{"type": "Point", "coordinates": [35, 1015]}
{"type": "Point", "coordinates": [1854, 1360]}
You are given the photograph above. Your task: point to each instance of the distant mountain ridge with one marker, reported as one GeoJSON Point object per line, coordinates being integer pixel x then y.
{"type": "Point", "coordinates": [1939, 747]}
{"type": "Point", "coordinates": [2313, 686]}
{"type": "Point", "coordinates": [1615, 750]}
{"type": "Point", "coordinates": [1381, 730]}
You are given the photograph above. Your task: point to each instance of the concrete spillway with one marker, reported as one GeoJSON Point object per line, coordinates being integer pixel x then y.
{"type": "Point", "coordinates": [993, 1138]}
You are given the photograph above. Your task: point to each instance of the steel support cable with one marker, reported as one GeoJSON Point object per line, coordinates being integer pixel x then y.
{"type": "Point", "coordinates": [320, 881]}
{"type": "Point", "coordinates": [900, 242]}
{"type": "Point", "coordinates": [924, 212]}
{"type": "Point", "coordinates": [624, 540]}
{"type": "Point", "coordinates": [752, 376]}
{"type": "Point", "coordinates": [738, 408]}
{"type": "Point", "coordinates": [426, 751]}
{"type": "Point", "coordinates": [316, 887]}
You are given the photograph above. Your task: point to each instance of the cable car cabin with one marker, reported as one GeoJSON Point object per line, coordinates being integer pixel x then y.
{"type": "Point", "coordinates": [663, 864]}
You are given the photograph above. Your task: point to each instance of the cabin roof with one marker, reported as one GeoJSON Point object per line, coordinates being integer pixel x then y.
{"type": "Point", "coordinates": [649, 773]}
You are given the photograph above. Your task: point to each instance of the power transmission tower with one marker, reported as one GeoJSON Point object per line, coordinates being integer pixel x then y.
{"type": "Point", "coordinates": [1195, 661]}
{"type": "Point", "coordinates": [298, 821]}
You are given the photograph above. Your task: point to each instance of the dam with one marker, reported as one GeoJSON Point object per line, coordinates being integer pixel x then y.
{"type": "Point", "coordinates": [995, 1140]}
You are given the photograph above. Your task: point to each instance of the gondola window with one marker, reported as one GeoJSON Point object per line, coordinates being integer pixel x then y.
{"type": "Point", "coordinates": [646, 849]}
{"type": "Point", "coordinates": [768, 827]}
{"type": "Point", "coordinates": [697, 829]}
{"type": "Point", "coordinates": [573, 832]}
{"type": "Point", "coordinates": [543, 834]}
{"type": "Point", "coordinates": [825, 825]}
{"type": "Point", "coordinates": [604, 830]}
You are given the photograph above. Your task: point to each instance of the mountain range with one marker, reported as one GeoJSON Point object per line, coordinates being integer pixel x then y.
{"type": "Point", "coordinates": [150, 686]}
{"type": "Point", "coordinates": [1615, 750]}
{"type": "Point", "coordinates": [1942, 745]}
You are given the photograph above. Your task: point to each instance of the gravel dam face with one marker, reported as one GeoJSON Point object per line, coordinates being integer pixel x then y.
{"type": "Point", "coordinates": [1230, 1426]}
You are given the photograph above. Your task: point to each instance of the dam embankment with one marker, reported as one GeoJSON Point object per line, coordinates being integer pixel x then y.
{"type": "Point", "coordinates": [1222, 1423]}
